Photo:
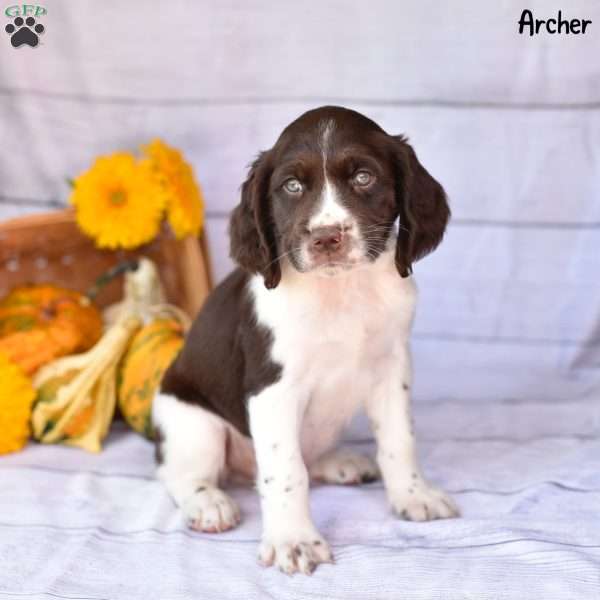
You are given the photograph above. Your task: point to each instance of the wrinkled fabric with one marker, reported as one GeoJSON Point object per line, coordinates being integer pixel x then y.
{"type": "Point", "coordinates": [74, 525]}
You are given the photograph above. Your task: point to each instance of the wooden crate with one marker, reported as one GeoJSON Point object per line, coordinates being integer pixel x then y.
{"type": "Point", "coordinates": [50, 248]}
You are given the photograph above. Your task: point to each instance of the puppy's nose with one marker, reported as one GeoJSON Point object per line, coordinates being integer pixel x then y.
{"type": "Point", "coordinates": [326, 239]}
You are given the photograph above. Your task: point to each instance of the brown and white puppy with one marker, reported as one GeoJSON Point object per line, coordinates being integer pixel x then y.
{"type": "Point", "coordinates": [313, 325]}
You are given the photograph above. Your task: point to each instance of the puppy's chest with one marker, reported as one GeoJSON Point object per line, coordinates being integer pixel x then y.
{"type": "Point", "coordinates": [329, 337]}
{"type": "Point", "coordinates": [334, 367]}
{"type": "Point", "coordinates": [335, 327]}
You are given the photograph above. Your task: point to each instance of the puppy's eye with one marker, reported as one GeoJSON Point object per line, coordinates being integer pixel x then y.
{"type": "Point", "coordinates": [293, 186]}
{"type": "Point", "coordinates": [363, 178]}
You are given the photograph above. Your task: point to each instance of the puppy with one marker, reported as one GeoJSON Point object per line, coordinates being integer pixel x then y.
{"type": "Point", "coordinates": [313, 325]}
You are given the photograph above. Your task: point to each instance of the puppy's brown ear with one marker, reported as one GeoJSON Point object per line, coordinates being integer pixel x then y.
{"type": "Point", "coordinates": [422, 207]}
{"type": "Point", "coordinates": [253, 244]}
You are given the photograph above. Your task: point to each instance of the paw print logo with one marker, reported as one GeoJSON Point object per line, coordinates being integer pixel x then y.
{"type": "Point", "coordinates": [24, 31]}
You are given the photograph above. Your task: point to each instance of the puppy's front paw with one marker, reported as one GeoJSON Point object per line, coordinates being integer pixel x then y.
{"type": "Point", "coordinates": [420, 502]}
{"type": "Point", "coordinates": [300, 553]}
{"type": "Point", "coordinates": [210, 510]}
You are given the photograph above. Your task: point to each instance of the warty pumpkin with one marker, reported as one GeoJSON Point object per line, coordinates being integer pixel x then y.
{"type": "Point", "coordinates": [39, 323]}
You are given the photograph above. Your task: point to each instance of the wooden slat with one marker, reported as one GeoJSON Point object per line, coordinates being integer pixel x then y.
{"type": "Point", "coordinates": [50, 248]}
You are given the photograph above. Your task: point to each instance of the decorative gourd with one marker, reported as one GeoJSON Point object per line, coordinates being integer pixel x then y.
{"type": "Point", "coordinates": [77, 394]}
{"type": "Point", "coordinates": [148, 356]}
{"type": "Point", "coordinates": [39, 323]}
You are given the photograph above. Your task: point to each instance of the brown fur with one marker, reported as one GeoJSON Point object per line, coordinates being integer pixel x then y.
{"type": "Point", "coordinates": [265, 226]}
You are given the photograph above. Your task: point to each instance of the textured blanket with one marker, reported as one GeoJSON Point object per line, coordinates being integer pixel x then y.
{"type": "Point", "coordinates": [526, 475]}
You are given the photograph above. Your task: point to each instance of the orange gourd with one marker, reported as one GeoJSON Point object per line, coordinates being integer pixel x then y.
{"type": "Point", "coordinates": [39, 323]}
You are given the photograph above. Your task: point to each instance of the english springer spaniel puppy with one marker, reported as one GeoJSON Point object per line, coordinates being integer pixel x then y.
{"type": "Point", "coordinates": [313, 325]}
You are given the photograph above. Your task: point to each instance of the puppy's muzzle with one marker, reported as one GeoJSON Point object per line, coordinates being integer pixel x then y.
{"type": "Point", "coordinates": [328, 240]}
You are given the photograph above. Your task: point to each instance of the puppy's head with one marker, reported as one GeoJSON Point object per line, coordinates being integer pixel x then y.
{"type": "Point", "coordinates": [327, 195]}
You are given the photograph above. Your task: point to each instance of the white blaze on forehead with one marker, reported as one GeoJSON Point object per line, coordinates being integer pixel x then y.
{"type": "Point", "coordinates": [330, 211]}
{"type": "Point", "coordinates": [325, 130]}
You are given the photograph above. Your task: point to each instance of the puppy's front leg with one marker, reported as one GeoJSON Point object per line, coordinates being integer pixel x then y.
{"type": "Point", "coordinates": [388, 408]}
{"type": "Point", "coordinates": [290, 540]}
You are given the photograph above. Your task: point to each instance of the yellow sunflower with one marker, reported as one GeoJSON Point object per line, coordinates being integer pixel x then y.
{"type": "Point", "coordinates": [16, 397]}
{"type": "Point", "coordinates": [118, 202]}
{"type": "Point", "coordinates": [183, 196]}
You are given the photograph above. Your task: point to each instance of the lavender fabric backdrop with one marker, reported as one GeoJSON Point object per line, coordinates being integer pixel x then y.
{"type": "Point", "coordinates": [507, 336]}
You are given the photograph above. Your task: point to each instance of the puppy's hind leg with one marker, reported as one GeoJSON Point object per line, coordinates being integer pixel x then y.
{"type": "Point", "coordinates": [191, 455]}
{"type": "Point", "coordinates": [343, 467]}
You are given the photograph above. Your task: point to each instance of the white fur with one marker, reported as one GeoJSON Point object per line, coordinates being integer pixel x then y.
{"type": "Point", "coordinates": [342, 343]}
{"type": "Point", "coordinates": [194, 463]}
{"type": "Point", "coordinates": [329, 333]}
{"type": "Point", "coordinates": [330, 211]}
